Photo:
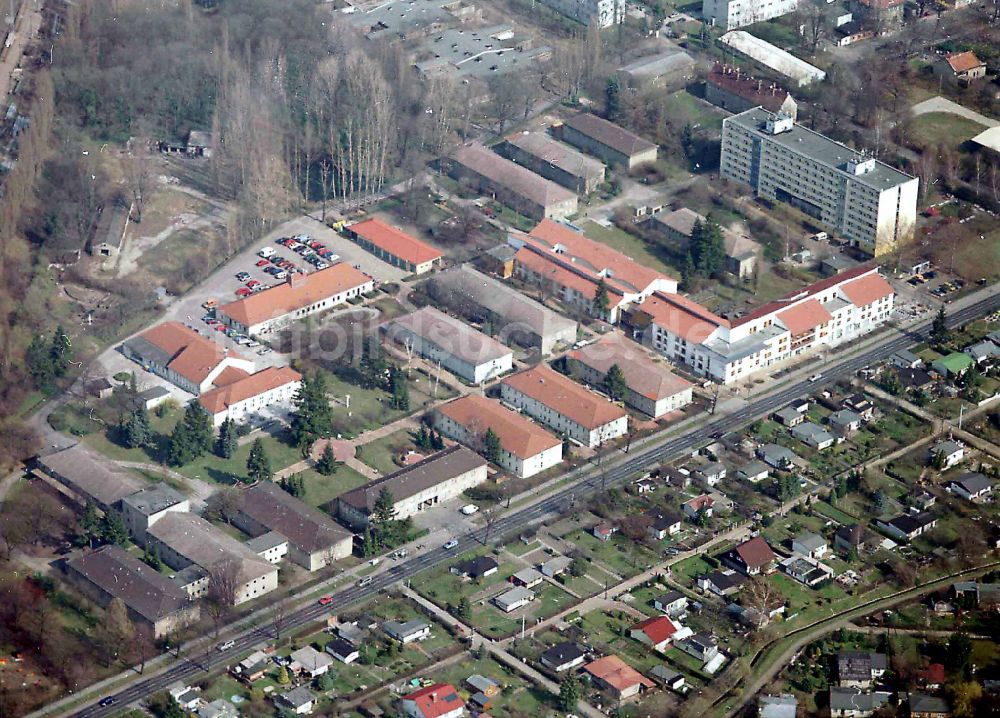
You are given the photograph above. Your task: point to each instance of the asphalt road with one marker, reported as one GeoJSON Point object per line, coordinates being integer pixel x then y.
{"type": "Point", "coordinates": [189, 668]}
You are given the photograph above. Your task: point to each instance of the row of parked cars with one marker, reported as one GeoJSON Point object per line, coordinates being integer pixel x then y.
{"type": "Point", "coordinates": [241, 339]}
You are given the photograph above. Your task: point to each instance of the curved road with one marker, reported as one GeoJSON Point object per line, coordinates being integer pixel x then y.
{"type": "Point", "coordinates": [189, 667]}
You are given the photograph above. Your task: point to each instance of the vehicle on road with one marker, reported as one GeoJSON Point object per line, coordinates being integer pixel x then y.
{"type": "Point", "coordinates": [106, 701]}
{"type": "Point", "coordinates": [401, 553]}
{"type": "Point", "coordinates": [366, 581]}
{"type": "Point", "coordinates": [815, 377]}
{"type": "Point", "coordinates": [226, 646]}
{"type": "Point", "coordinates": [469, 509]}
{"type": "Point", "coordinates": [326, 600]}
{"type": "Point", "coordinates": [451, 544]}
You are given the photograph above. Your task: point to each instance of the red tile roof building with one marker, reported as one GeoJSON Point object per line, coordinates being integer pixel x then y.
{"type": "Point", "coordinates": [394, 246]}
{"type": "Point", "coordinates": [655, 632]}
{"type": "Point", "coordinates": [652, 388]}
{"type": "Point", "coordinates": [525, 447]}
{"type": "Point", "coordinates": [570, 265]}
{"type": "Point", "coordinates": [617, 677]}
{"type": "Point", "coordinates": [440, 700]}
{"type": "Point", "coordinates": [831, 312]}
{"type": "Point", "coordinates": [297, 298]}
{"type": "Point", "coordinates": [186, 358]}
{"type": "Point", "coordinates": [251, 393]}
{"type": "Point", "coordinates": [568, 408]}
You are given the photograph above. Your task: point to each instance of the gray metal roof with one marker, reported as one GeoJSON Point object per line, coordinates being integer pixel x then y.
{"type": "Point", "coordinates": [154, 499]}
{"type": "Point", "coordinates": [558, 154]}
{"type": "Point", "coordinates": [819, 148]}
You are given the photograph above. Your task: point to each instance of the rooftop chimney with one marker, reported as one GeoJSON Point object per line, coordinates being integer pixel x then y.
{"type": "Point", "coordinates": [296, 280]}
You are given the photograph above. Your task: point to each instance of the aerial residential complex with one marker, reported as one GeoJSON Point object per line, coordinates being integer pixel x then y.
{"type": "Point", "coordinates": [558, 260]}
{"type": "Point", "coordinates": [731, 14]}
{"type": "Point", "coordinates": [568, 408]}
{"type": "Point", "coordinates": [861, 199]}
{"type": "Point", "coordinates": [525, 447]}
{"type": "Point", "coordinates": [297, 298]}
{"type": "Point", "coordinates": [830, 312]}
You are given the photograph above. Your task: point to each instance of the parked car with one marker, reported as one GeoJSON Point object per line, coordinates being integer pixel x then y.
{"type": "Point", "coordinates": [219, 327]}
{"type": "Point", "coordinates": [321, 265]}
{"type": "Point", "coordinates": [262, 263]}
{"type": "Point", "coordinates": [209, 304]}
{"type": "Point", "coordinates": [469, 509]}
{"type": "Point", "coordinates": [253, 283]}
{"type": "Point", "coordinates": [242, 276]}
{"type": "Point", "coordinates": [266, 252]}
{"type": "Point", "coordinates": [243, 292]}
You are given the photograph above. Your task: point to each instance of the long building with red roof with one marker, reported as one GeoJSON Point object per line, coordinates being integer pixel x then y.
{"type": "Point", "coordinates": [571, 265]}
{"type": "Point", "coordinates": [297, 298]}
{"type": "Point", "coordinates": [830, 312]}
{"type": "Point", "coordinates": [394, 246]}
{"type": "Point", "coordinates": [250, 394]}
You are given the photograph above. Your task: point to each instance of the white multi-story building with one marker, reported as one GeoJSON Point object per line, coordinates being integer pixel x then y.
{"type": "Point", "coordinates": [831, 312]}
{"type": "Point", "coordinates": [861, 199]}
{"type": "Point", "coordinates": [603, 12]}
{"type": "Point", "coordinates": [731, 14]}
{"type": "Point", "coordinates": [251, 394]}
{"type": "Point", "coordinates": [525, 447]}
{"type": "Point", "coordinates": [565, 406]}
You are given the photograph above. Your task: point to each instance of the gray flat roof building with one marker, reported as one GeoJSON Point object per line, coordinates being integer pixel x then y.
{"type": "Point", "coordinates": [480, 52]}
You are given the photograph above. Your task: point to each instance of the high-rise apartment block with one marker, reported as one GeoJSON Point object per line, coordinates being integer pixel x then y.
{"type": "Point", "coordinates": [847, 192]}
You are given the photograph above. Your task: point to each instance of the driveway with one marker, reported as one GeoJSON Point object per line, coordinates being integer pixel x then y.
{"type": "Point", "coordinates": [943, 104]}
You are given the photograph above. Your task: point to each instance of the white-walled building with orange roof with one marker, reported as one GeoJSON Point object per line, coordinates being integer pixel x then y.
{"type": "Point", "coordinates": [831, 312]}
{"type": "Point", "coordinates": [563, 405]}
{"type": "Point", "coordinates": [651, 387]}
{"type": "Point", "coordinates": [297, 298]}
{"type": "Point", "coordinates": [571, 265]}
{"type": "Point", "coordinates": [250, 394]}
{"type": "Point", "coordinates": [525, 447]}
{"type": "Point", "coordinates": [185, 358]}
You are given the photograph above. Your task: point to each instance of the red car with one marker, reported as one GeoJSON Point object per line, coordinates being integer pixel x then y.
{"type": "Point", "coordinates": [316, 245]}
{"type": "Point", "coordinates": [262, 263]}
{"type": "Point", "coordinates": [326, 601]}
{"type": "Point", "coordinates": [220, 327]}
{"type": "Point", "coordinates": [243, 292]}
{"type": "Point", "coordinates": [252, 283]}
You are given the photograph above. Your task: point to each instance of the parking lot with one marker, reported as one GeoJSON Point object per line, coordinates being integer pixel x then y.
{"type": "Point", "coordinates": [223, 284]}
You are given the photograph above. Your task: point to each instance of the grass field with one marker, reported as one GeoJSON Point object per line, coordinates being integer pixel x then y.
{"type": "Point", "coordinates": [943, 128]}
{"type": "Point", "coordinates": [380, 454]}
{"type": "Point", "coordinates": [621, 555]}
{"type": "Point", "coordinates": [321, 490]}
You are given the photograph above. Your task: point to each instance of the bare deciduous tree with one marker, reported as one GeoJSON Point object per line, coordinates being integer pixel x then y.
{"type": "Point", "coordinates": [224, 579]}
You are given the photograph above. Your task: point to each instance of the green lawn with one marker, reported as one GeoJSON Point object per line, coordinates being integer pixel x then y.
{"type": "Point", "coordinates": [646, 254]}
{"type": "Point", "coordinates": [380, 454]}
{"type": "Point", "coordinates": [690, 568]}
{"type": "Point", "coordinates": [321, 490]}
{"type": "Point", "coordinates": [621, 555]}
{"type": "Point", "coordinates": [943, 127]}
{"type": "Point", "coordinates": [517, 697]}
{"type": "Point", "coordinates": [832, 512]}
{"type": "Point", "coordinates": [684, 108]}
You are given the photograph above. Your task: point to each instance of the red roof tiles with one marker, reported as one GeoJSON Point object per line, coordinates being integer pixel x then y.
{"type": "Point", "coordinates": [804, 317]}
{"type": "Point", "coordinates": [867, 289]}
{"type": "Point", "coordinates": [563, 395]}
{"type": "Point", "coordinates": [395, 242]}
{"type": "Point", "coordinates": [657, 629]}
